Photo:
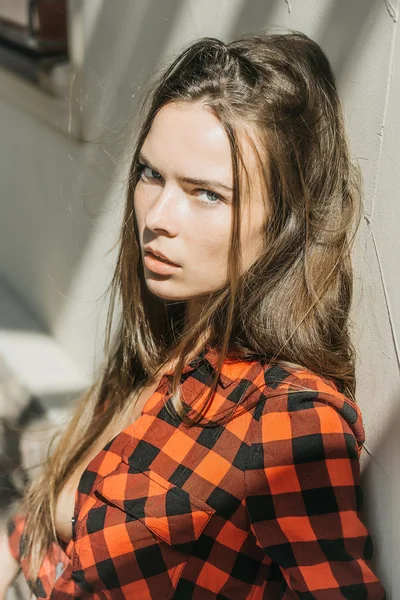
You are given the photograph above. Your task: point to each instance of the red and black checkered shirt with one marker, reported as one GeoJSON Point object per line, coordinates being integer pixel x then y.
{"type": "Point", "coordinates": [266, 506]}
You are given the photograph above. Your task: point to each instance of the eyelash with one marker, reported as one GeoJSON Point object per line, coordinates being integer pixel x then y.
{"type": "Point", "coordinates": [142, 166]}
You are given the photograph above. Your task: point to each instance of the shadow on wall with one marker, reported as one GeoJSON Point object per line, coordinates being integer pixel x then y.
{"type": "Point", "coordinates": [134, 56]}
{"type": "Point", "coordinates": [111, 110]}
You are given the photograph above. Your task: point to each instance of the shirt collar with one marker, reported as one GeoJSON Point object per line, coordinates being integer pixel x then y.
{"type": "Point", "coordinates": [210, 354]}
{"type": "Point", "coordinates": [207, 354]}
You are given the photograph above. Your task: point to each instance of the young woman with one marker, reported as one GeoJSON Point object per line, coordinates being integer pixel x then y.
{"type": "Point", "coordinates": [217, 454]}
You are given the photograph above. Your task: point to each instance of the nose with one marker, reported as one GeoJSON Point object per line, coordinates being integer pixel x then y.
{"type": "Point", "coordinates": [165, 211]}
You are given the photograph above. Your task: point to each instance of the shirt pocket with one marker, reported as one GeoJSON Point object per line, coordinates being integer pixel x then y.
{"type": "Point", "coordinates": [139, 533]}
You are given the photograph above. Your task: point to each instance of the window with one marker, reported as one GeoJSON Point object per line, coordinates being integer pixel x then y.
{"type": "Point", "coordinates": [40, 70]}
{"type": "Point", "coordinates": [34, 41]}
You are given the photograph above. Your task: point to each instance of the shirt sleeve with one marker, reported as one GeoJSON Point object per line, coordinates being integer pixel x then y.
{"type": "Point", "coordinates": [54, 562]}
{"type": "Point", "coordinates": [66, 587]}
{"type": "Point", "coordinates": [304, 499]}
{"type": "Point", "coordinates": [15, 528]}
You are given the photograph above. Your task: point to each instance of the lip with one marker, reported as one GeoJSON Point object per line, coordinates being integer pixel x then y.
{"type": "Point", "coordinates": [158, 266]}
{"type": "Point", "coordinates": [159, 254]}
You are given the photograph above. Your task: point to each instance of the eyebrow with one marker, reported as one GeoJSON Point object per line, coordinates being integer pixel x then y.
{"type": "Point", "coordinates": [193, 180]}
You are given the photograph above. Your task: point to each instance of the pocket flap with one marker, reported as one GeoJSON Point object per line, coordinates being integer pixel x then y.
{"type": "Point", "coordinates": [170, 512]}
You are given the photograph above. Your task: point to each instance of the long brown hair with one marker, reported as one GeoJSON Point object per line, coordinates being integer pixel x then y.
{"type": "Point", "coordinates": [292, 304]}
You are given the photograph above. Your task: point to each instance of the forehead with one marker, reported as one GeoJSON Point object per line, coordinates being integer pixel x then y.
{"type": "Point", "coordinates": [191, 135]}
{"type": "Point", "coordinates": [188, 138]}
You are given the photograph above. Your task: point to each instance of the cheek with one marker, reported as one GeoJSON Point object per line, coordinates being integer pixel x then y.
{"type": "Point", "coordinates": [210, 239]}
{"type": "Point", "coordinates": [139, 208]}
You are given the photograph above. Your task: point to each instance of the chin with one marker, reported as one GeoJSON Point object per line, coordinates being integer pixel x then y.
{"type": "Point", "coordinates": [163, 289]}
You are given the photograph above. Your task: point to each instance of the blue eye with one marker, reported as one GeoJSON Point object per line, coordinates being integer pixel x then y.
{"type": "Point", "coordinates": [216, 197]}
{"type": "Point", "coordinates": [141, 169]}
{"type": "Point", "coordinates": [153, 175]}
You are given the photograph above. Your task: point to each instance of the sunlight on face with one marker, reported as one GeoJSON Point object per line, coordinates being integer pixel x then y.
{"type": "Point", "coordinates": [186, 221]}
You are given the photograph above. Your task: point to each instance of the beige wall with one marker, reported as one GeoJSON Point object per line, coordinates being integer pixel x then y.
{"type": "Point", "coordinates": [61, 199]}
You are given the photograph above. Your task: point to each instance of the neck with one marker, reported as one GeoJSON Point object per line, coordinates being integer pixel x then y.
{"type": "Point", "coordinates": [192, 315]}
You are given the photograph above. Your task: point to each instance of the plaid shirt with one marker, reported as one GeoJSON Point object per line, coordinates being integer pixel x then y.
{"type": "Point", "coordinates": [265, 507]}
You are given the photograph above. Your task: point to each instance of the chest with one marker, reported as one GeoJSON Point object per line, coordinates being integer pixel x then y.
{"type": "Point", "coordinates": [152, 518]}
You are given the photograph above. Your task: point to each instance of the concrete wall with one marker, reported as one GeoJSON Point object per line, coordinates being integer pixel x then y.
{"type": "Point", "coordinates": [61, 199]}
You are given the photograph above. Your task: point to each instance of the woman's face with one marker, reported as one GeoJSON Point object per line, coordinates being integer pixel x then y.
{"type": "Point", "coordinates": [190, 222]}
